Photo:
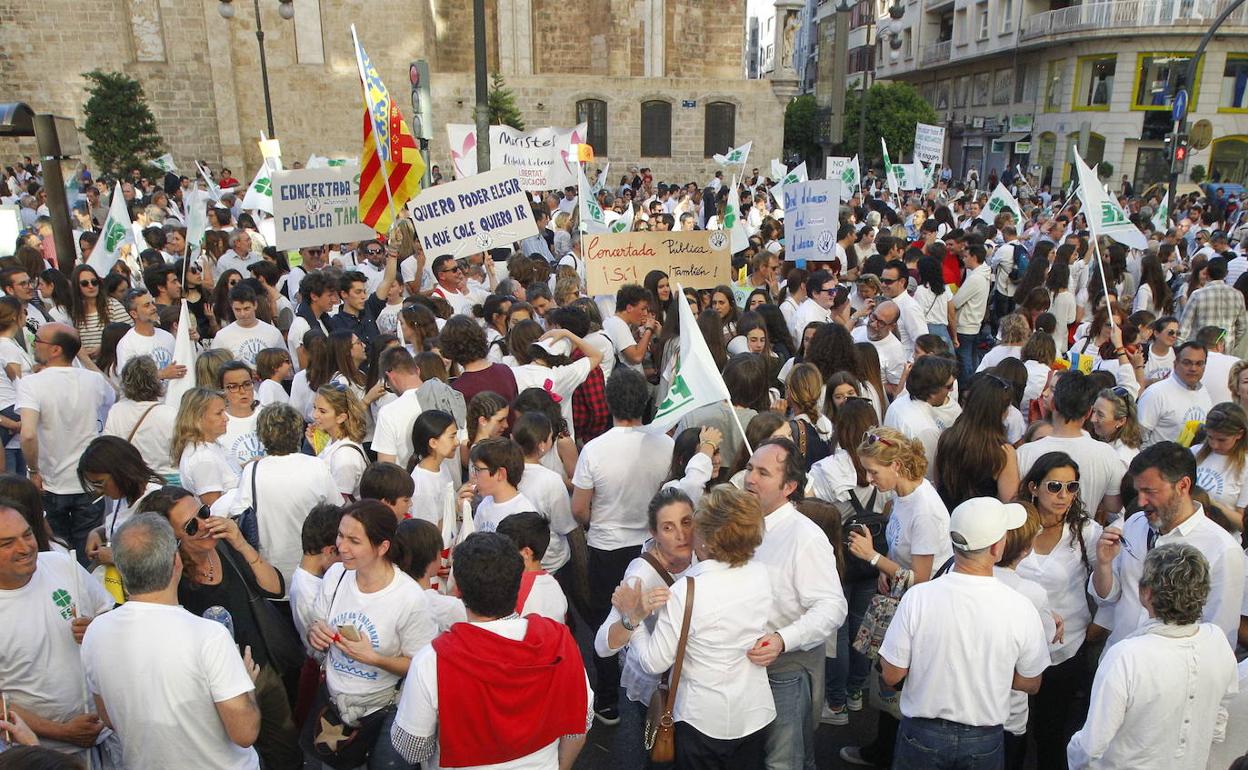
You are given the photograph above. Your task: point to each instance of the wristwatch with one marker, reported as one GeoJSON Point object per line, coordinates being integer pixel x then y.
{"type": "Point", "coordinates": [875, 560]}
{"type": "Point", "coordinates": [628, 624]}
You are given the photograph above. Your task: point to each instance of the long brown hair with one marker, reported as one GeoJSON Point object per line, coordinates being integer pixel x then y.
{"type": "Point", "coordinates": [971, 447]}
{"type": "Point", "coordinates": [77, 305]}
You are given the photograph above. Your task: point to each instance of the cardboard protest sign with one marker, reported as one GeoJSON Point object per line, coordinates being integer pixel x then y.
{"type": "Point", "coordinates": [543, 158]}
{"type": "Point", "coordinates": [315, 206]}
{"type": "Point", "coordinates": [470, 215]}
{"type": "Point", "coordinates": [929, 143]}
{"type": "Point", "coordinates": [810, 219]}
{"type": "Point", "coordinates": [698, 259]}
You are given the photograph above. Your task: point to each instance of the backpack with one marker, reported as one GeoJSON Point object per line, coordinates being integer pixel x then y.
{"type": "Point", "coordinates": [810, 444]}
{"type": "Point", "coordinates": [1021, 259]}
{"type": "Point", "coordinates": [864, 515]}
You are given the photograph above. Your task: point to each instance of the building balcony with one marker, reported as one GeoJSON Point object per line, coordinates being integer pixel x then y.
{"type": "Point", "coordinates": [936, 53]}
{"type": "Point", "coordinates": [1115, 16]}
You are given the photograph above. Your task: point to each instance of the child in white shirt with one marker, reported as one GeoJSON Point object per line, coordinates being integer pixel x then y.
{"type": "Point", "coordinates": [422, 549]}
{"type": "Point", "coordinates": [540, 593]}
{"type": "Point", "coordinates": [274, 366]}
{"type": "Point", "coordinates": [320, 537]}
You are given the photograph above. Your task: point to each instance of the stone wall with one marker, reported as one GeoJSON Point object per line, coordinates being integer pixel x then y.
{"type": "Point", "coordinates": [201, 73]}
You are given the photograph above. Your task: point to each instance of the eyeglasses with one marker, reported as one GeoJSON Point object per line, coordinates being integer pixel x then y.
{"type": "Point", "coordinates": [1171, 332]}
{"type": "Point", "coordinates": [234, 387]}
{"type": "Point", "coordinates": [1056, 486]}
{"type": "Point", "coordinates": [96, 484]}
{"type": "Point", "coordinates": [191, 527]}
{"type": "Point", "coordinates": [42, 342]}
{"type": "Point", "coordinates": [481, 469]}
{"type": "Point", "coordinates": [84, 283]}
{"type": "Point", "coordinates": [999, 380]}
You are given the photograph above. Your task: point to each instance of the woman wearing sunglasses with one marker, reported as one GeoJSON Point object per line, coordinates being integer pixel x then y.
{"type": "Point", "coordinates": [91, 308]}
{"type": "Point", "coordinates": [1063, 555]}
{"type": "Point", "coordinates": [221, 573]}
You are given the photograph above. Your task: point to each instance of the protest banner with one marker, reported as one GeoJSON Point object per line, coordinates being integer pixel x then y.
{"type": "Point", "coordinates": [929, 143]}
{"type": "Point", "coordinates": [542, 158]}
{"type": "Point", "coordinates": [470, 215]}
{"type": "Point", "coordinates": [315, 206]}
{"type": "Point", "coordinates": [810, 219]}
{"type": "Point", "coordinates": [697, 258]}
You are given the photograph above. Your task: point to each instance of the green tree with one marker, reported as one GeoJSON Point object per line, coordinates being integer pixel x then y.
{"type": "Point", "coordinates": [502, 104]}
{"type": "Point", "coordinates": [892, 111]}
{"type": "Point", "coordinates": [801, 128]}
{"type": "Point", "coordinates": [120, 125]}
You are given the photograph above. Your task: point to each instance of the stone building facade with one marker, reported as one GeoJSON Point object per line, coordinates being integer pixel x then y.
{"type": "Point", "coordinates": [666, 71]}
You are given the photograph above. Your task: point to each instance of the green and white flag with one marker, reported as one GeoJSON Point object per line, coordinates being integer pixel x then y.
{"type": "Point", "coordinates": [797, 175]}
{"type": "Point", "coordinates": [622, 223]}
{"type": "Point", "coordinates": [260, 192]}
{"type": "Point", "coordinates": [890, 171]}
{"type": "Point", "coordinates": [1001, 200]}
{"type": "Point", "coordinates": [778, 170]}
{"type": "Point", "coordinates": [592, 218]}
{"type": "Point", "coordinates": [602, 178]}
{"type": "Point", "coordinates": [196, 202]}
{"type": "Point", "coordinates": [117, 231]}
{"type": "Point", "coordinates": [736, 155]}
{"type": "Point", "coordinates": [165, 163]}
{"type": "Point", "coordinates": [851, 176]}
{"type": "Point", "coordinates": [183, 353]}
{"type": "Point", "coordinates": [1104, 215]}
{"type": "Point", "coordinates": [695, 380]}
{"type": "Point", "coordinates": [1161, 219]}
{"type": "Point", "coordinates": [734, 222]}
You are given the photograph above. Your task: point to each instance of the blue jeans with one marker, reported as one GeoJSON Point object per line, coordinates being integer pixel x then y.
{"type": "Point", "coordinates": [938, 744]}
{"type": "Point", "coordinates": [628, 749]}
{"type": "Point", "coordinates": [968, 357]}
{"type": "Point", "coordinates": [72, 517]}
{"type": "Point", "coordinates": [849, 670]}
{"type": "Point", "coordinates": [384, 755]}
{"type": "Point", "coordinates": [791, 737]}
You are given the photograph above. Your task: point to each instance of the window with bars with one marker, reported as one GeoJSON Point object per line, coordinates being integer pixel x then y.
{"type": "Point", "coordinates": [721, 128]}
{"type": "Point", "coordinates": [594, 113]}
{"type": "Point", "coordinates": [656, 129]}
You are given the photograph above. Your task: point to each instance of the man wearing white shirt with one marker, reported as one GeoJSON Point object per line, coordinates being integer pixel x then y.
{"type": "Point", "coordinates": [632, 309]}
{"type": "Point", "coordinates": [374, 265]}
{"type": "Point", "coordinates": [1002, 262]}
{"type": "Point", "coordinates": [392, 439]}
{"type": "Point", "coordinates": [971, 304]}
{"type": "Point", "coordinates": [146, 338]}
{"type": "Point", "coordinates": [172, 682]}
{"type": "Point", "coordinates": [1179, 403]}
{"type": "Point", "coordinates": [1218, 365]}
{"type": "Point", "coordinates": [248, 335]}
{"type": "Point", "coordinates": [928, 386]}
{"type": "Point", "coordinates": [820, 292]}
{"type": "Point", "coordinates": [878, 330]}
{"type": "Point", "coordinates": [962, 643]}
{"type": "Point", "coordinates": [239, 256]}
{"type": "Point", "coordinates": [1159, 696]}
{"type": "Point", "coordinates": [452, 285]}
{"type": "Point", "coordinates": [808, 603]}
{"type": "Point", "coordinates": [1164, 475]}
{"type": "Point", "coordinates": [910, 325]}
{"type": "Point", "coordinates": [320, 294]}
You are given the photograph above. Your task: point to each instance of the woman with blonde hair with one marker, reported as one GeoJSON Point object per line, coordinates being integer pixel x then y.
{"type": "Point", "coordinates": [1114, 421]}
{"type": "Point", "coordinates": [812, 431]}
{"type": "Point", "coordinates": [1014, 333]}
{"type": "Point", "coordinates": [1237, 382]}
{"type": "Point", "coordinates": [204, 467]}
{"type": "Point", "coordinates": [1220, 466]}
{"type": "Point", "coordinates": [340, 414]}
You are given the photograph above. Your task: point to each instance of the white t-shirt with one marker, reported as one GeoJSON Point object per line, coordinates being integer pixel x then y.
{"type": "Point", "coordinates": [429, 496]}
{"type": "Point", "coordinates": [206, 468]}
{"type": "Point", "coordinates": [546, 599]}
{"type": "Point", "coordinates": [303, 590]}
{"type": "Point", "coordinates": [545, 488]}
{"type": "Point", "coordinates": [11, 353]}
{"type": "Point", "coordinates": [892, 355]}
{"type": "Point", "coordinates": [271, 392]}
{"type": "Point", "coordinates": [622, 490]}
{"type": "Point", "coordinates": [146, 659]}
{"type": "Point", "coordinates": [564, 381]}
{"type": "Point", "coordinates": [916, 419]}
{"type": "Point", "coordinates": [489, 513]}
{"type": "Point", "coordinates": [393, 433]}
{"type": "Point", "coordinates": [347, 461]}
{"type": "Point", "coordinates": [294, 338]}
{"type": "Point", "coordinates": [1063, 576]}
{"type": "Point", "coordinates": [919, 525]}
{"type": "Point", "coordinates": [1158, 367]}
{"type": "Point", "coordinates": [1217, 375]}
{"type": "Point", "coordinates": [282, 505]}
{"type": "Point", "coordinates": [621, 337]}
{"type": "Point", "coordinates": [302, 397]}
{"type": "Point", "coordinates": [1169, 406]}
{"type": "Point", "coordinates": [395, 619]}
{"type": "Point", "coordinates": [66, 425]}
{"type": "Point", "coordinates": [41, 665]}
{"type": "Point", "coordinates": [240, 440]}
{"type": "Point", "coordinates": [246, 344]}
{"type": "Point", "coordinates": [935, 307]}
{"type": "Point", "coordinates": [153, 435]}
{"type": "Point", "coordinates": [1017, 723]}
{"type": "Point", "coordinates": [962, 637]}
{"type": "Point", "coordinates": [159, 347]}
{"type": "Point", "coordinates": [998, 354]}
{"type": "Point", "coordinates": [1225, 487]}
{"type": "Point", "coordinates": [446, 610]}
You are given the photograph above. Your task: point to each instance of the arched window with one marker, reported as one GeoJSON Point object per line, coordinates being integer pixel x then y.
{"type": "Point", "coordinates": [594, 112]}
{"type": "Point", "coordinates": [721, 128]}
{"type": "Point", "coordinates": [656, 129]}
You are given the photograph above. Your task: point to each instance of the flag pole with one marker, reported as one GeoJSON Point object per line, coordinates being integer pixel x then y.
{"type": "Point", "coordinates": [737, 419]}
{"type": "Point", "coordinates": [385, 175]}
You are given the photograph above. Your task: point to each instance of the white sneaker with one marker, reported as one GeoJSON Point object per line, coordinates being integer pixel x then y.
{"type": "Point", "coordinates": [854, 700]}
{"type": "Point", "coordinates": [831, 716]}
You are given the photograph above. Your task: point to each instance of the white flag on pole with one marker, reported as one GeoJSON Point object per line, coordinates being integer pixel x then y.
{"type": "Point", "coordinates": [165, 163]}
{"type": "Point", "coordinates": [890, 171]}
{"type": "Point", "coordinates": [1161, 218]}
{"type": "Point", "coordinates": [1104, 215]}
{"type": "Point", "coordinates": [778, 170]}
{"type": "Point", "coordinates": [196, 202]}
{"type": "Point", "coordinates": [621, 223]}
{"type": "Point", "coordinates": [695, 380]}
{"type": "Point", "coordinates": [736, 156]}
{"type": "Point", "coordinates": [592, 219]}
{"type": "Point", "coordinates": [601, 182]}
{"type": "Point", "coordinates": [183, 353]}
{"type": "Point", "coordinates": [734, 221]}
{"type": "Point", "coordinates": [1001, 200]}
{"type": "Point", "coordinates": [117, 230]}
{"type": "Point", "coordinates": [260, 191]}
{"type": "Point", "coordinates": [797, 175]}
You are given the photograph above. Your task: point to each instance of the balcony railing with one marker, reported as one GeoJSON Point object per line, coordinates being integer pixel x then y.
{"type": "Point", "coordinates": [935, 53]}
{"type": "Point", "coordinates": [1117, 15]}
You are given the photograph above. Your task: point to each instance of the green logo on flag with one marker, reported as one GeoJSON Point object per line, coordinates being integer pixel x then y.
{"type": "Point", "coordinates": [115, 234]}
{"type": "Point", "coordinates": [996, 204]}
{"type": "Point", "coordinates": [264, 186]}
{"type": "Point", "coordinates": [730, 219]}
{"type": "Point", "coordinates": [849, 175]}
{"type": "Point", "coordinates": [595, 212]}
{"type": "Point", "coordinates": [1111, 214]}
{"type": "Point", "coordinates": [337, 162]}
{"type": "Point", "coordinates": [734, 156]}
{"type": "Point", "coordinates": [678, 395]}
{"type": "Point", "coordinates": [620, 225]}
{"type": "Point", "coordinates": [62, 599]}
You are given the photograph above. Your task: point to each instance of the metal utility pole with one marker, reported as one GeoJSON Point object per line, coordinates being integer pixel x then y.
{"type": "Point", "coordinates": [51, 151]}
{"type": "Point", "coordinates": [483, 88]}
{"type": "Point", "coordinates": [839, 65]}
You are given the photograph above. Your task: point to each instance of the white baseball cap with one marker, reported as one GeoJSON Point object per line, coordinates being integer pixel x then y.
{"type": "Point", "coordinates": [982, 521]}
{"type": "Point", "coordinates": [559, 347]}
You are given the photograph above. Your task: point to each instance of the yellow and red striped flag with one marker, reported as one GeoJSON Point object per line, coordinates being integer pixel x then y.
{"type": "Point", "coordinates": [390, 151]}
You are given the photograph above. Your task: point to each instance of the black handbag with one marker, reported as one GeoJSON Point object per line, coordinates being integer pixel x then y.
{"type": "Point", "coordinates": [281, 642]}
{"type": "Point", "coordinates": [248, 525]}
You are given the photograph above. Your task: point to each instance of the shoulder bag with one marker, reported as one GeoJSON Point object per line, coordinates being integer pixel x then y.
{"type": "Point", "coordinates": [247, 522]}
{"type": "Point", "coordinates": [879, 614]}
{"type": "Point", "coordinates": [659, 568]}
{"type": "Point", "coordinates": [281, 642]}
{"type": "Point", "coordinates": [142, 417]}
{"type": "Point", "coordinates": [660, 734]}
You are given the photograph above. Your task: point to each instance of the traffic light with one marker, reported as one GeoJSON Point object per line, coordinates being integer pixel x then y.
{"type": "Point", "coordinates": [1180, 153]}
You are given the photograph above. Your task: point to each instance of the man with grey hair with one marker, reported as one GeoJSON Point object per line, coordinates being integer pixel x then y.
{"type": "Point", "coordinates": [239, 256]}
{"type": "Point", "coordinates": [1159, 695]}
{"type": "Point", "coordinates": [958, 681]}
{"type": "Point", "coordinates": [147, 338]}
{"type": "Point", "coordinates": [170, 683]}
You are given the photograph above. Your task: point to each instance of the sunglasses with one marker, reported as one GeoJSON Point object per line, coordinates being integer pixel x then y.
{"type": "Point", "coordinates": [191, 527]}
{"type": "Point", "coordinates": [869, 439]}
{"type": "Point", "coordinates": [997, 379]}
{"type": "Point", "coordinates": [1122, 393]}
{"type": "Point", "coordinates": [889, 281]}
{"type": "Point", "coordinates": [195, 269]}
{"type": "Point", "coordinates": [455, 269]}
{"type": "Point", "coordinates": [88, 282]}
{"type": "Point", "coordinates": [1056, 486]}
{"type": "Point", "coordinates": [372, 252]}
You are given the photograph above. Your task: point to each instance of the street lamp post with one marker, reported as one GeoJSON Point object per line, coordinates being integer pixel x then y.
{"type": "Point", "coordinates": [286, 9]}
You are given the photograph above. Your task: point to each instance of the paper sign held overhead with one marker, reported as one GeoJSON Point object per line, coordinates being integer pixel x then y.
{"type": "Point", "coordinates": [929, 143]}
{"type": "Point", "coordinates": [544, 159]}
{"type": "Point", "coordinates": [697, 259]}
{"type": "Point", "coordinates": [315, 206]}
{"type": "Point", "coordinates": [811, 218]}
{"type": "Point", "coordinates": [471, 215]}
